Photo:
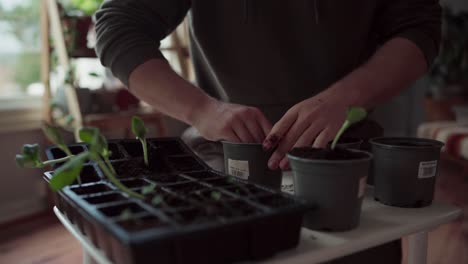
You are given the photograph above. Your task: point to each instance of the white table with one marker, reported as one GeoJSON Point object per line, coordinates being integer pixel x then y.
{"type": "Point", "coordinates": [379, 224]}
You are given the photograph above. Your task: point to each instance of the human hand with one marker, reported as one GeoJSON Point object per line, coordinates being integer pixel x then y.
{"type": "Point", "coordinates": [313, 121]}
{"type": "Point", "coordinates": [236, 123]}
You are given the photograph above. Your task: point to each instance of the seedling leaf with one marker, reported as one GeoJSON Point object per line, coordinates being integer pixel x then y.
{"type": "Point", "coordinates": [138, 128]}
{"type": "Point", "coordinates": [126, 215]}
{"type": "Point", "coordinates": [53, 134]}
{"type": "Point", "coordinates": [29, 158]}
{"type": "Point", "coordinates": [148, 189]}
{"type": "Point", "coordinates": [157, 200]}
{"type": "Point", "coordinates": [354, 115]}
{"type": "Point", "coordinates": [215, 195]}
{"type": "Point", "coordinates": [68, 172]}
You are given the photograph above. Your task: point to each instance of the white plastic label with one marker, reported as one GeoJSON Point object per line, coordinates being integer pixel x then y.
{"type": "Point", "coordinates": [427, 169]}
{"type": "Point", "coordinates": [362, 187]}
{"type": "Point", "coordinates": [238, 168]}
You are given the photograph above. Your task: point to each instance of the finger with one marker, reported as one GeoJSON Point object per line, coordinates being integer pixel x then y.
{"type": "Point", "coordinates": [286, 143]}
{"type": "Point", "coordinates": [308, 137]}
{"type": "Point", "coordinates": [231, 137]}
{"type": "Point", "coordinates": [255, 130]}
{"type": "Point", "coordinates": [242, 132]}
{"type": "Point", "coordinates": [324, 137]}
{"type": "Point", "coordinates": [264, 123]}
{"type": "Point", "coordinates": [284, 164]}
{"type": "Point", "coordinates": [279, 130]}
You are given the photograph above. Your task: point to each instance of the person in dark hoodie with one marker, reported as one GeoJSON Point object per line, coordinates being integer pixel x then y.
{"type": "Point", "coordinates": [278, 72]}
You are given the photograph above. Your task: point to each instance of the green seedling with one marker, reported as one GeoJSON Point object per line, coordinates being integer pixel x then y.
{"type": "Point", "coordinates": [216, 195]}
{"type": "Point", "coordinates": [66, 174]}
{"type": "Point", "coordinates": [148, 189]}
{"type": "Point", "coordinates": [126, 215]}
{"type": "Point", "coordinates": [99, 152]}
{"type": "Point", "coordinates": [140, 131]}
{"type": "Point", "coordinates": [157, 200]}
{"type": "Point", "coordinates": [354, 115]}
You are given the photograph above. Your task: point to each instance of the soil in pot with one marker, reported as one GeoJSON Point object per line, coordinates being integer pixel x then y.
{"type": "Point", "coordinates": [333, 182]}
{"type": "Point", "coordinates": [404, 170]}
{"type": "Point", "coordinates": [249, 161]}
{"type": "Point", "coordinates": [348, 142]}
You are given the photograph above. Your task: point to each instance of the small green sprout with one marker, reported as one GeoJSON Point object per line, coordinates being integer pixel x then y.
{"type": "Point", "coordinates": [354, 115]}
{"type": "Point", "coordinates": [216, 195]}
{"type": "Point", "coordinates": [148, 189]}
{"type": "Point", "coordinates": [53, 134]}
{"type": "Point", "coordinates": [157, 200]}
{"type": "Point", "coordinates": [126, 215]}
{"type": "Point", "coordinates": [69, 172]}
{"type": "Point", "coordinates": [140, 131]}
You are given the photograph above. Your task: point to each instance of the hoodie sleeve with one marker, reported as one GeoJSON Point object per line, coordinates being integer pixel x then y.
{"type": "Point", "coordinates": [416, 20]}
{"type": "Point", "coordinates": [129, 31]}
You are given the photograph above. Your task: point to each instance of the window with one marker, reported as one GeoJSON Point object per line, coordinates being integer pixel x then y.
{"type": "Point", "coordinates": [20, 49]}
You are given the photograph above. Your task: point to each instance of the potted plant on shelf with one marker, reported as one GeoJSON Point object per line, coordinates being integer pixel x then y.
{"type": "Point", "coordinates": [448, 76]}
{"type": "Point", "coordinates": [139, 198]}
{"type": "Point", "coordinates": [334, 179]}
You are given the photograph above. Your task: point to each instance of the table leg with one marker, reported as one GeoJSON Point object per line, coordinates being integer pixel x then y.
{"type": "Point", "coordinates": [417, 248]}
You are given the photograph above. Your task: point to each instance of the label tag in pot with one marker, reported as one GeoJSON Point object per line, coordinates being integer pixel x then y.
{"type": "Point", "coordinates": [238, 168]}
{"type": "Point", "coordinates": [362, 187]}
{"type": "Point", "coordinates": [427, 169]}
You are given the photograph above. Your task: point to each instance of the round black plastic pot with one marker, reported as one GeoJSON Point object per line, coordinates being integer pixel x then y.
{"type": "Point", "coordinates": [404, 170]}
{"type": "Point", "coordinates": [348, 143]}
{"type": "Point", "coordinates": [335, 187]}
{"type": "Point", "coordinates": [249, 161]}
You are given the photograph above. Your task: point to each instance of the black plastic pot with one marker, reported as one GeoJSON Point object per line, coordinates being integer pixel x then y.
{"type": "Point", "coordinates": [404, 170]}
{"type": "Point", "coordinates": [336, 187]}
{"type": "Point", "coordinates": [191, 226]}
{"type": "Point", "coordinates": [248, 161]}
{"type": "Point", "coordinates": [348, 143]}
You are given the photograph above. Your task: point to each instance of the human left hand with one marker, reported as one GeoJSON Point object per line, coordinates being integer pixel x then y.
{"type": "Point", "coordinates": [313, 121]}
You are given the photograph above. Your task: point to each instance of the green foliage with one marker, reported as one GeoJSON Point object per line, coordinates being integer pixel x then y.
{"type": "Point", "coordinates": [157, 200]}
{"type": "Point", "coordinates": [148, 189]}
{"type": "Point", "coordinates": [140, 131]}
{"type": "Point", "coordinates": [53, 134]}
{"type": "Point", "coordinates": [216, 195]}
{"type": "Point", "coordinates": [27, 69]}
{"type": "Point", "coordinates": [126, 215]}
{"type": "Point", "coordinates": [69, 172]}
{"type": "Point", "coordinates": [451, 66]}
{"type": "Point", "coordinates": [29, 158]}
{"type": "Point", "coordinates": [87, 7]}
{"type": "Point", "coordinates": [354, 115]}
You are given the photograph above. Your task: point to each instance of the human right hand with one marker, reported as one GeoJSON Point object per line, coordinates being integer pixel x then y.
{"type": "Point", "coordinates": [216, 120]}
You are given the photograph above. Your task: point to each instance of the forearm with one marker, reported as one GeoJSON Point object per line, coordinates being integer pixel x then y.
{"type": "Point", "coordinates": [393, 68]}
{"type": "Point", "coordinates": [158, 85]}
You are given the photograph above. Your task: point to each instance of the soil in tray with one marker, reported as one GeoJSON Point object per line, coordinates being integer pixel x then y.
{"type": "Point", "coordinates": [115, 152]}
{"type": "Point", "coordinates": [166, 200]}
{"type": "Point", "coordinates": [168, 147]}
{"type": "Point", "coordinates": [90, 189]}
{"type": "Point", "coordinates": [185, 188]}
{"type": "Point", "coordinates": [116, 210]}
{"type": "Point", "coordinates": [87, 175]}
{"type": "Point", "coordinates": [185, 163]}
{"type": "Point", "coordinates": [105, 198]}
{"type": "Point", "coordinates": [215, 211]}
{"type": "Point", "coordinates": [326, 154]}
{"type": "Point", "coordinates": [141, 223]}
{"type": "Point", "coordinates": [166, 178]}
{"type": "Point", "coordinates": [246, 190]}
{"type": "Point", "coordinates": [137, 168]}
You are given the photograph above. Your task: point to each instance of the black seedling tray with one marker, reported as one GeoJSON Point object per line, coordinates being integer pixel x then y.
{"type": "Point", "coordinates": [247, 222]}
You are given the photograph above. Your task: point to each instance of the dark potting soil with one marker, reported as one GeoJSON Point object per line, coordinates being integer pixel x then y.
{"type": "Point", "coordinates": [326, 154]}
{"type": "Point", "coordinates": [408, 144]}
